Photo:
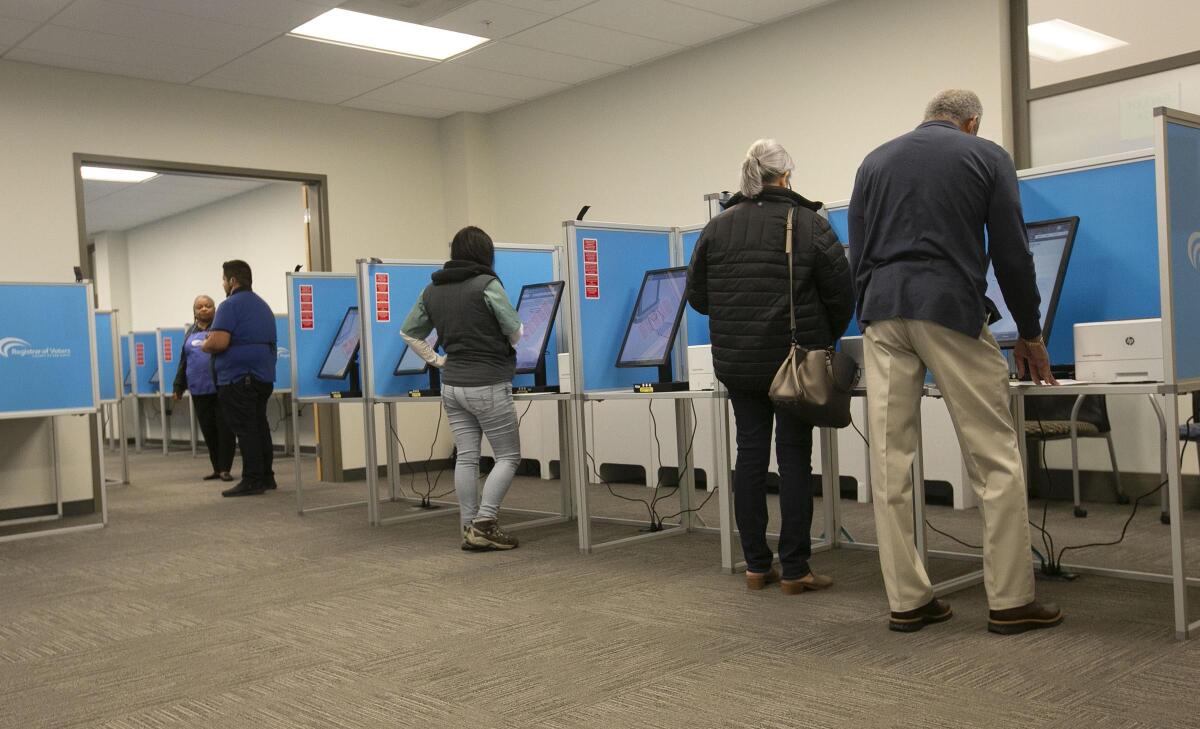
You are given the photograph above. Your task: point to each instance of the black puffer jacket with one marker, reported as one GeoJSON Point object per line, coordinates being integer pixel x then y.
{"type": "Point", "coordinates": [738, 276]}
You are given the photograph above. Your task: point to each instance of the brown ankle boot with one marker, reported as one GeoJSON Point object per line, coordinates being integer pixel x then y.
{"type": "Point", "coordinates": [1027, 617]}
{"type": "Point", "coordinates": [759, 580]}
{"type": "Point", "coordinates": [910, 621]}
{"type": "Point", "coordinates": [811, 581]}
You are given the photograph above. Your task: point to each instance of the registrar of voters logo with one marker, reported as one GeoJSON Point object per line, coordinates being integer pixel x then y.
{"type": "Point", "coordinates": [1194, 249]}
{"type": "Point", "coordinates": [14, 347]}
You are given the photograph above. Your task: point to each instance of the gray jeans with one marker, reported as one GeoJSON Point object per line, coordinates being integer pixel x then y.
{"type": "Point", "coordinates": [474, 412]}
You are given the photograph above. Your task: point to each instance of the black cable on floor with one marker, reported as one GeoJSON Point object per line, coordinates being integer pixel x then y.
{"type": "Point", "coordinates": [412, 475]}
{"type": "Point", "coordinates": [430, 485]}
{"type": "Point", "coordinates": [687, 454]}
{"type": "Point", "coordinates": [596, 473]}
{"type": "Point", "coordinates": [444, 494]}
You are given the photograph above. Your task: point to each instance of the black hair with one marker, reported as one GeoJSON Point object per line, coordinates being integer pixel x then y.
{"type": "Point", "coordinates": [239, 270]}
{"type": "Point", "coordinates": [472, 244]}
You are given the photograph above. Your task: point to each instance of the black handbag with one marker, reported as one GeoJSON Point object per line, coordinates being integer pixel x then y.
{"type": "Point", "coordinates": [812, 384]}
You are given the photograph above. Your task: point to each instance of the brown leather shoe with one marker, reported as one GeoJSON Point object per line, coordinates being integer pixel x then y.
{"type": "Point", "coordinates": [910, 621]}
{"type": "Point", "coordinates": [759, 580]}
{"type": "Point", "coordinates": [1027, 617]}
{"type": "Point", "coordinates": [811, 581]}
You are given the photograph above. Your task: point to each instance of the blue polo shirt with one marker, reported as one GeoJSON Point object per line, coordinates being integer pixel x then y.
{"type": "Point", "coordinates": [251, 327]}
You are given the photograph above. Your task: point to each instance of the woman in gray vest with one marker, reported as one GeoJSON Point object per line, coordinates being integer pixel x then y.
{"type": "Point", "coordinates": [477, 327]}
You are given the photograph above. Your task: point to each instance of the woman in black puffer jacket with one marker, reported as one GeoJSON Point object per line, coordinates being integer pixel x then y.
{"type": "Point", "coordinates": [739, 278]}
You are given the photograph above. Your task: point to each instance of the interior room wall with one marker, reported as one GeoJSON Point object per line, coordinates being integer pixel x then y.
{"type": "Point", "coordinates": [830, 84]}
{"type": "Point", "coordinates": [372, 161]}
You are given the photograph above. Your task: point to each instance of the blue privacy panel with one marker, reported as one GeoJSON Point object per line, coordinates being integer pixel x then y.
{"type": "Point", "coordinates": [516, 269]}
{"type": "Point", "coordinates": [170, 346]}
{"type": "Point", "coordinates": [624, 256]}
{"type": "Point", "coordinates": [46, 350]}
{"type": "Point", "coordinates": [839, 220]}
{"type": "Point", "coordinates": [1183, 202]}
{"type": "Point", "coordinates": [331, 297]}
{"type": "Point", "coordinates": [106, 358]}
{"type": "Point", "coordinates": [145, 362]}
{"type": "Point", "coordinates": [126, 374]}
{"type": "Point", "coordinates": [283, 358]}
{"type": "Point", "coordinates": [403, 284]}
{"type": "Point", "coordinates": [1113, 271]}
{"type": "Point", "coordinates": [697, 323]}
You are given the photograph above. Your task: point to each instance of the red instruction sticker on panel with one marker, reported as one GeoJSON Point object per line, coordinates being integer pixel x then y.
{"type": "Point", "coordinates": [383, 306]}
{"type": "Point", "coordinates": [141, 354]}
{"type": "Point", "coordinates": [167, 349]}
{"type": "Point", "coordinates": [591, 269]}
{"type": "Point", "coordinates": [306, 307]}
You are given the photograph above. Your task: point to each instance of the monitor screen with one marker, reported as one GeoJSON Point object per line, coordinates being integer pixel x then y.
{"type": "Point", "coordinates": [537, 307]}
{"type": "Point", "coordinates": [343, 349]}
{"type": "Point", "coordinates": [410, 362]}
{"type": "Point", "coordinates": [655, 319]}
{"type": "Point", "coordinates": [154, 377]}
{"type": "Point", "coordinates": [1050, 243]}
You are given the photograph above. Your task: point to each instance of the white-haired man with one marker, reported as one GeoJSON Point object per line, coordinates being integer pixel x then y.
{"type": "Point", "coordinates": [920, 205]}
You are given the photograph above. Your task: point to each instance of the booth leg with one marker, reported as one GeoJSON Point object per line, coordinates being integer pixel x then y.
{"type": "Point", "coordinates": [1178, 572]}
{"type": "Point", "coordinates": [166, 425]}
{"type": "Point", "coordinates": [722, 481]}
{"type": "Point", "coordinates": [830, 486]}
{"type": "Point", "coordinates": [124, 441]}
{"type": "Point", "coordinates": [566, 461]}
{"type": "Point", "coordinates": [580, 474]}
{"type": "Point", "coordinates": [372, 462]}
{"type": "Point", "coordinates": [389, 412]}
{"type": "Point", "coordinates": [684, 443]}
{"type": "Point", "coordinates": [297, 472]}
{"type": "Point", "coordinates": [138, 424]}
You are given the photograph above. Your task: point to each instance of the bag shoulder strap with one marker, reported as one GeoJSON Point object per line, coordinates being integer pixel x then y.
{"type": "Point", "coordinates": [791, 284]}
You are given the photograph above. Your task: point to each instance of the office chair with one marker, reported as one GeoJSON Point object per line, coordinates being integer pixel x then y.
{"type": "Point", "coordinates": [1061, 417]}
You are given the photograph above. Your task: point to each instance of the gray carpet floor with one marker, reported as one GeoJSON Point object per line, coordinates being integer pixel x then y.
{"type": "Point", "coordinates": [195, 611]}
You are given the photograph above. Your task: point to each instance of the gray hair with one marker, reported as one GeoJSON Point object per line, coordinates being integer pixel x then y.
{"type": "Point", "coordinates": [766, 161]}
{"type": "Point", "coordinates": [957, 105]}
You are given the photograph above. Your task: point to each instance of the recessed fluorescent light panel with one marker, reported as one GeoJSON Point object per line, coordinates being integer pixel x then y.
{"type": "Point", "coordinates": [1057, 40]}
{"type": "Point", "coordinates": [370, 32]}
{"type": "Point", "coordinates": [114, 174]}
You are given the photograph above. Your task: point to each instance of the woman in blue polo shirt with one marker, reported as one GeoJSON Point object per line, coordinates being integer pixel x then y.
{"type": "Point", "coordinates": [195, 375]}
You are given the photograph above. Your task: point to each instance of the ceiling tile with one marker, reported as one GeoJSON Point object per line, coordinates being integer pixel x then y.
{"type": "Point", "coordinates": [537, 63]}
{"type": "Point", "coordinates": [63, 60]}
{"type": "Point", "coordinates": [409, 11]}
{"type": "Point", "coordinates": [12, 31]}
{"type": "Point", "coordinates": [277, 15]}
{"type": "Point", "coordinates": [489, 19]}
{"type": "Point", "coordinates": [164, 196]}
{"type": "Point", "coordinates": [115, 49]}
{"type": "Point", "coordinates": [754, 11]}
{"type": "Point", "coordinates": [658, 19]}
{"type": "Point", "coordinates": [333, 57]}
{"type": "Point", "coordinates": [254, 76]}
{"type": "Point", "coordinates": [94, 190]}
{"type": "Point", "coordinates": [141, 24]}
{"type": "Point", "coordinates": [589, 41]}
{"type": "Point", "coordinates": [414, 94]}
{"type": "Point", "coordinates": [482, 81]}
{"type": "Point", "coordinates": [549, 7]}
{"type": "Point", "coordinates": [38, 11]}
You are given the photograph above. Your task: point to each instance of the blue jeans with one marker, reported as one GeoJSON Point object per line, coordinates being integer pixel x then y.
{"type": "Point", "coordinates": [754, 414]}
{"type": "Point", "coordinates": [474, 412]}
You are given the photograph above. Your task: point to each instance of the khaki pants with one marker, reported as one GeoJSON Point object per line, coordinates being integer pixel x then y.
{"type": "Point", "coordinates": [973, 378]}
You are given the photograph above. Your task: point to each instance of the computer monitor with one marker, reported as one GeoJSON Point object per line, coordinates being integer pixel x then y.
{"type": "Point", "coordinates": [1050, 242]}
{"type": "Point", "coordinates": [344, 348]}
{"type": "Point", "coordinates": [410, 362]}
{"type": "Point", "coordinates": [538, 308]}
{"type": "Point", "coordinates": [154, 377]}
{"type": "Point", "coordinates": [654, 321]}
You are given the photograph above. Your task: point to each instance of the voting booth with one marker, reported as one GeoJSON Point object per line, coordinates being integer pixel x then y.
{"type": "Point", "coordinates": [49, 357]}
{"type": "Point", "coordinates": [110, 361]}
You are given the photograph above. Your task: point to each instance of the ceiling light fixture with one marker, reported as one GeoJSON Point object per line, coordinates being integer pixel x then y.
{"type": "Point", "coordinates": [373, 33]}
{"type": "Point", "coordinates": [114, 174]}
{"type": "Point", "coordinates": [1057, 40]}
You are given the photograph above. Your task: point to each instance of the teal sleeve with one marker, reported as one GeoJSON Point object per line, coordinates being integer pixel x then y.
{"type": "Point", "coordinates": [497, 300]}
{"type": "Point", "coordinates": [417, 324]}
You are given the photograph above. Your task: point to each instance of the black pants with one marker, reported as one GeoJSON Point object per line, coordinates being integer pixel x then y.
{"type": "Point", "coordinates": [753, 414]}
{"type": "Point", "coordinates": [218, 437]}
{"type": "Point", "coordinates": [245, 404]}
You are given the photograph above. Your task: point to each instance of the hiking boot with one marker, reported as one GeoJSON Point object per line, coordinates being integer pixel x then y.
{"type": "Point", "coordinates": [486, 533]}
{"type": "Point", "coordinates": [1027, 617]}
{"type": "Point", "coordinates": [466, 544]}
{"type": "Point", "coordinates": [910, 621]}
{"type": "Point", "coordinates": [811, 581]}
{"type": "Point", "coordinates": [759, 580]}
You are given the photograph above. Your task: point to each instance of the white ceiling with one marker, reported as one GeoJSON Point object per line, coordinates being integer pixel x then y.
{"type": "Point", "coordinates": [538, 47]}
{"type": "Point", "coordinates": [118, 206]}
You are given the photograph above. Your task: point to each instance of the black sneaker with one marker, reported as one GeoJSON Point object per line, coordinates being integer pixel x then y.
{"type": "Point", "coordinates": [243, 489]}
{"type": "Point", "coordinates": [486, 533]}
{"type": "Point", "coordinates": [466, 544]}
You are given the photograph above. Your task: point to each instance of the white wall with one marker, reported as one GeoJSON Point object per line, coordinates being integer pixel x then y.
{"type": "Point", "coordinates": [830, 84]}
{"type": "Point", "coordinates": [173, 260]}
{"type": "Point", "coordinates": [384, 174]}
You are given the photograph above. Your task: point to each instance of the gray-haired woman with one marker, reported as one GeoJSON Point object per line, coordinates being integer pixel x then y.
{"type": "Point", "coordinates": [739, 277]}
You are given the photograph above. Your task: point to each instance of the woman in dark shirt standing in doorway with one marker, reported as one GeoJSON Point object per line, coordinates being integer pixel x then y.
{"type": "Point", "coordinates": [195, 376]}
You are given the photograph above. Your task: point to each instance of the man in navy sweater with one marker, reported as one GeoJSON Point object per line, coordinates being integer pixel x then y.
{"type": "Point", "coordinates": [920, 205]}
